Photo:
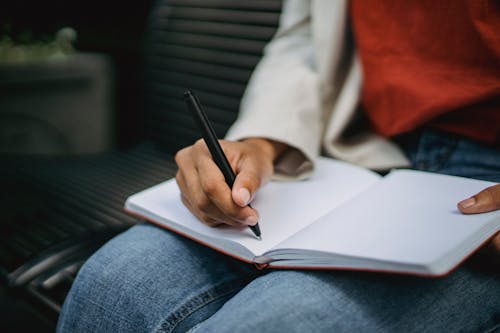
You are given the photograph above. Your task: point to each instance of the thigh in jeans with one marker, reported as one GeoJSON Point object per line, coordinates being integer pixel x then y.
{"type": "Point", "coordinates": [450, 154]}
{"type": "Point", "coordinates": [150, 280]}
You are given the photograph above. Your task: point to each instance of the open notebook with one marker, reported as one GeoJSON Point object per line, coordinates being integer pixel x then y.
{"type": "Point", "coordinates": [343, 217]}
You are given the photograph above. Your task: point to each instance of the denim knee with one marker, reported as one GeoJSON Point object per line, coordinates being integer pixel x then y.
{"type": "Point", "coordinates": [148, 279]}
{"type": "Point", "coordinates": [114, 288]}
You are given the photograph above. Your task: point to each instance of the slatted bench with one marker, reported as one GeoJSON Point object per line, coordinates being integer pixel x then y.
{"type": "Point", "coordinates": [57, 210]}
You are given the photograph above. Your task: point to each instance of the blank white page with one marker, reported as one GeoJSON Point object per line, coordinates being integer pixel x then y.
{"type": "Point", "coordinates": [284, 207]}
{"type": "Point", "coordinates": [409, 217]}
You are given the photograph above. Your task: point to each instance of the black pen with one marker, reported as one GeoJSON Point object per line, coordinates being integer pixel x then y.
{"type": "Point", "coordinates": [213, 145]}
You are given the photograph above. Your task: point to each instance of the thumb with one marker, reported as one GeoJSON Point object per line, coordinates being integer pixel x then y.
{"type": "Point", "coordinates": [246, 184]}
{"type": "Point", "coordinates": [485, 201]}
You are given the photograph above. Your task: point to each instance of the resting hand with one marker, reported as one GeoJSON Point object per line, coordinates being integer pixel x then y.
{"type": "Point", "coordinates": [485, 201]}
{"type": "Point", "coordinates": [204, 190]}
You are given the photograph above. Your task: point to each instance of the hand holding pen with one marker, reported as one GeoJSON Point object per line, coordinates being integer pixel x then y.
{"type": "Point", "coordinates": [203, 186]}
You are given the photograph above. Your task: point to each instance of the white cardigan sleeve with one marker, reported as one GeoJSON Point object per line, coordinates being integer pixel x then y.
{"type": "Point", "coordinates": [282, 100]}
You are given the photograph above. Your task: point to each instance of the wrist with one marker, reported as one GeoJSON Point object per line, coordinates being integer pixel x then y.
{"type": "Point", "coordinates": [271, 148]}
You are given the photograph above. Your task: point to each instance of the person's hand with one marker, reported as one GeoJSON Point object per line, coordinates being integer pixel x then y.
{"type": "Point", "coordinates": [485, 201]}
{"type": "Point", "coordinates": [204, 190]}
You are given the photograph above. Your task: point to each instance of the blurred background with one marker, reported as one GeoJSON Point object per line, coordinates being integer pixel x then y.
{"type": "Point", "coordinates": [91, 111]}
{"type": "Point", "coordinates": [54, 55]}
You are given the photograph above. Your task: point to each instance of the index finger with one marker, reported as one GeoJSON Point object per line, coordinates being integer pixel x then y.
{"type": "Point", "coordinates": [219, 193]}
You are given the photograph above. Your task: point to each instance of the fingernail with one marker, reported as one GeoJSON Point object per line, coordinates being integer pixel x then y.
{"type": "Point", "coordinates": [467, 202]}
{"type": "Point", "coordinates": [251, 220]}
{"type": "Point", "coordinates": [244, 195]}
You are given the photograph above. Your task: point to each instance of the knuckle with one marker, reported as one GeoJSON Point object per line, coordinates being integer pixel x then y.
{"type": "Point", "coordinates": [488, 194]}
{"type": "Point", "coordinates": [199, 144]}
{"type": "Point", "coordinates": [204, 205]}
{"type": "Point", "coordinates": [179, 156]}
{"type": "Point", "coordinates": [206, 220]}
{"type": "Point", "coordinates": [178, 177]}
{"type": "Point", "coordinates": [256, 181]}
{"type": "Point", "coordinates": [210, 222]}
{"type": "Point", "coordinates": [487, 200]}
{"type": "Point", "coordinates": [255, 174]}
{"type": "Point", "coordinates": [185, 201]}
{"type": "Point", "coordinates": [236, 215]}
{"type": "Point", "coordinates": [210, 186]}
{"type": "Point", "coordinates": [495, 195]}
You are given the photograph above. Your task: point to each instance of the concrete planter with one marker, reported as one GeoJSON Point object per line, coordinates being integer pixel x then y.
{"type": "Point", "coordinates": [64, 106]}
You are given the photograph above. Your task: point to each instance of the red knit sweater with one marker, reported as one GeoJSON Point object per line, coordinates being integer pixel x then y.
{"type": "Point", "coordinates": [430, 62]}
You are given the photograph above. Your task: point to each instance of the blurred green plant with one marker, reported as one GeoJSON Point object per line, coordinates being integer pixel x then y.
{"type": "Point", "coordinates": [24, 49]}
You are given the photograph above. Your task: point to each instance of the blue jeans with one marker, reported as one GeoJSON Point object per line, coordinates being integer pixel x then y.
{"type": "Point", "coordinates": [150, 280]}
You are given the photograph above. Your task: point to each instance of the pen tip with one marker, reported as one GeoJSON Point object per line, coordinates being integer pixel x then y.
{"type": "Point", "coordinates": [259, 238]}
